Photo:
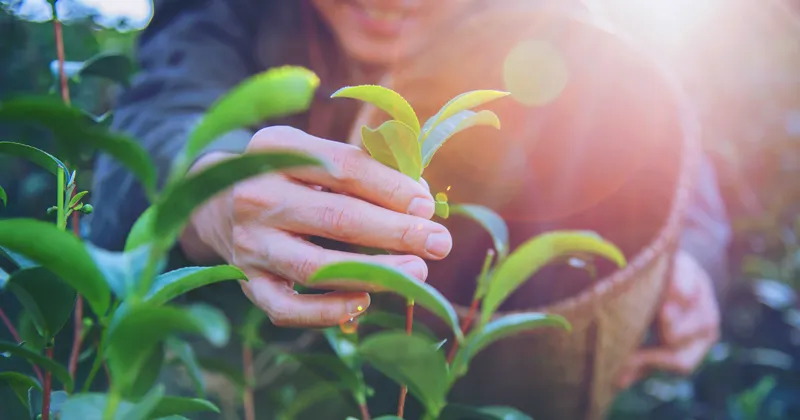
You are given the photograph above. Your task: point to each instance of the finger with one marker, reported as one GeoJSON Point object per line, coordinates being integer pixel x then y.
{"type": "Point", "coordinates": [353, 171]}
{"type": "Point", "coordinates": [350, 220]}
{"type": "Point", "coordinates": [287, 308]}
{"type": "Point", "coordinates": [688, 278]}
{"type": "Point", "coordinates": [682, 361]}
{"type": "Point", "coordinates": [679, 326]}
{"type": "Point", "coordinates": [296, 259]}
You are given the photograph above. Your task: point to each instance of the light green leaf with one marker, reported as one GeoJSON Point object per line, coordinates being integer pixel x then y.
{"type": "Point", "coordinates": [400, 141]}
{"type": "Point", "coordinates": [37, 156]}
{"type": "Point", "coordinates": [395, 322]}
{"type": "Point", "coordinates": [276, 93]}
{"type": "Point", "coordinates": [76, 198]}
{"type": "Point", "coordinates": [179, 202]}
{"type": "Point", "coordinates": [58, 371]}
{"type": "Point", "coordinates": [462, 102]}
{"type": "Point", "coordinates": [535, 254]}
{"type": "Point", "coordinates": [393, 280]}
{"type": "Point", "coordinates": [499, 329]}
{"type": "Point", "coordinates": [20, 384]}
{"type": "Point", "coordinates": [460, 412]}
{"type": "Point", "coordinates": [185, 354]}
{"type": "Point", "coordinates": [304, 400]}
{"type": "Point", "coordinates": [170, 285]}
{"type": "Point", "coordinates": [441, 209]}
{"type": "Point", "coordinates": [146, 406]}
{"type": "Point", "coordinates": [385, 99]}
{"type": "Point", "coordinates": [62, 253]}
{"type": "Point", "coordinates": [215, 326]}
{"type": "Point", "coordinates": [491, 221]}
{"type": "Point", "coordinates": [3, 196]}
{"type": "Point", "coordinates": [332, 369]}
{"type": "Point", "coordinates": [142, 231]}
{"type": "Point", "coordinates": [410, 360]}
{"type": "Point", "coordinates": [171, 406]}
{"type": "Point", "coordinates": [122, 270]}
{"type": "Point", "coordinates": [75, 132]}
{"type": "Point", "coordinates": [453, 125]}
{"type": "Point", "coordinates": [47, 298]}
{"type": "Point", "coordinates": [91, 406]}
{"type": "Point", "coordinates": [148, 374]}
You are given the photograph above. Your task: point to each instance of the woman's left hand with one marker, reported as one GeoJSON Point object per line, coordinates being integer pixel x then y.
{"type": "Point", "coordinates": [688, 324]}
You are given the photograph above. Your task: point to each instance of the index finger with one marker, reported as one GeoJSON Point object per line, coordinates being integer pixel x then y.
{"type": "Point", "coordinates": [353, 171]}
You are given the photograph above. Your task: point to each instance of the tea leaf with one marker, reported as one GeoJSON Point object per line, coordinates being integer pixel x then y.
{"type": "Point", "coordinates": [77, 198]}
{"type": "Point", "coordinates": [47, 298]}
{"type": "Point", "coordinates": [19, 260]}
{"type": "Point", "coordinates": [232, 373]}
{"type": "Point", "coordinates": [20, 384]}
{"type": "Point", "coordinates": [114, 67]}
{"type": "Point", "coordinates": [275, 93]}
{"type": "Point", "coordinates": [62, 253]}
{"type": "Point", "coordinates": [332, 369]}
{"type": "Point", "coordinates": [462, 102]}
{"type": "Point", "coordinates": [396, 322]}
{"type": "Point", "coordinates": [491, 221]}
{"type": "Point", "coordinates": [441, 207]}
{"type": "Point", "coordinates": [58, 371]}
{"type": "Point", "coordinates": [3, 196]}
{"type": "Point", "coordinates": [385, 99]}
{"type": "Point", "coordinates": [92, 406]}
{"type": "Point", "coordinates": [35, 397]}
{"type": "Point", "coordinates": [148, 374]}
{"type": "Point", "coordinates": [393, 280]}
{"type": "Point", "coordinates": [307, 398]}
{"type": "Point", "coordinates": [377, 147]}
{"type": "Point", "coordinates": [170, 285]}
{"type": "Point", "coordinates": [535, 254]}
{"type": "Point", "coordinates": [499, 329]}
{"type": "Point", "coordinates": [171, 406]}
{"type": "Point", "coordinates": [401, 142]}
{"type": "Point", "coordinates": [215, 326]}
{"type": "Point", "coordinates": [185, 354]}
{"type": "Point", "coordinates": [251, 328]}
{"type": "Point", "coordinates": [74, 132]}
{"type": "Point", "coordinates": [179, 202]}
{"type": "Point", "coordinates": [37, 156]}
{"type": "Point", "coordinates": [122, 270]}
{"type": "Point", "coordinates": [410, 360]}
{"type": "Point", "coordinates": [458, 412]}
{"type": "Point", "coordinates": [453, 125]}
{"type": "Point", "coordinates": [142, 231]}
{"type": "Point", "coordinates": [344, 345]}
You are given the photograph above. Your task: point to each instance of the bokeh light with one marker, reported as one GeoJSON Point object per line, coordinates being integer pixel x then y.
{"type": "Point", "coordinates": [535, 72]}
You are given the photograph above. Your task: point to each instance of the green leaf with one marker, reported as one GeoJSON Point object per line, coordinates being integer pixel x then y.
{"type": "Point", "coordinates": [77, 198]}
{"type": "Point", "coordinates": [215, 326]}
{"type": "Point", "coordinates": [185, 353]}
{"type": "Point", "coordinates": [35, 397]}
{"type": "Point", "coordinates": [140, 328]}
{"type": "Point", "coordinates": [272, 94]}
{"type": "Point", "coordinates": [499, 329]}
{"type": "Point", "coordinates": [170, 285]}
{"type": "Point", "coordinates": [398, 139]}
{"type": "Point", "coordinates": [20, 384]}
{"type": "Point", "coordinates": [389, 417]}
{"type": "Point", "coordinates": [179, 202]}
{"type": "Point", "coordinates": [535, 254]}
{"type": "Point", "coordinates": [332, 369]}
{"type": "Point", "coordinates": [344, 345]}
{"type": "Point", "coordinates": [62, 253]}
{"type": "Point", "coordinates": [112, 66]}
{"type": "Point", "coordinates": [385, 99]}
{"type": "Point", "coordinates": [147, 375]}
{"type": "Point", "coordinates": [37, 156]}
{"type": "Point", "coordinates": [58, 371]}
{"type": "Point", "coordinates": [3, 279]}
{"type": "Point", "coordinates": [28, 333]}
{"type": "Point", "coordinates": [91, 406]}
{"type": "Point", "coordinates": [142, 231]}
{"type": "Point", "coordinates": [394, 280]}
{"type": "Point", "coordinates": [462, 102]}
{"type": "Point", "coordinates": [3, 196]}
{"type": "Point", "coordinates": [232, 373]}
{"type": "Point", "coordinates": [251, 328]}
{"type": "Point", "coordinates": [19, 260]}
{"type": "Point", "coordinates": [461, 121]}
{"type": "Point", "coordinates": [307, 398]}
{"type": "Point", "coordinates": [491, 221]}
{"type": "Point", "coordinates": [441, 209]}
{"type": "Point", "coordinates": [74, 132]}
{"type": "Point", "coordinates": [396, 322]}
{"type": "Point", "coordinates": [47, 298]}
{"type": "Point", "coordinates": [170, 406]}
{"type": "Point", "coordinates": [459, 412]}
{"type": "Point", "coordinates": [122, 270]}
{"type": "Point", "coordinates": [410, 360]}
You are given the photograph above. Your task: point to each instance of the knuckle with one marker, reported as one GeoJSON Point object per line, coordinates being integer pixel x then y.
{"type": "Point", "coordinates": [302, 268]}
{"type": "Point", "coordinates": [339, 222]}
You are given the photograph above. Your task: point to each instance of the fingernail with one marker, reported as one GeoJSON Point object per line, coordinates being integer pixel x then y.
{"type": "Point", "coordinates": [355, 307]}
{"type": "Point", "coordinates": [417, 269]}
{"type": "Point", "coordinates": [421, 207]}
{"type": "Point", "coordinates": [438, 244]}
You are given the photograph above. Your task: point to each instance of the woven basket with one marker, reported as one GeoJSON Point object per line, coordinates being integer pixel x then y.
{"type": "Point", "coordinates": [631, 185]}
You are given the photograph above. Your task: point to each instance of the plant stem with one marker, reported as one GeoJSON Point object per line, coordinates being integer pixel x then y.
{"type": "Point", "coordinates": [113, 402]}
{"type": "Point", "coordinates": [249, 378]}
{"type": "Point", "coordinates": [476, 300]}
{"type": "Point", "coordinates": [401, 403]}
{"type": "Point", "coordinates": [48, 379]}
{"type": "Point", "coordinates": [17, 339]}
{"type": "Point", "coordinates": [60, 52]}
{"type": "Point", "coordinates": [364, 412]}
{"type": "Point", "coordinates": [473, 309]}
{"type": "Point", "coordinates": [76, 341]}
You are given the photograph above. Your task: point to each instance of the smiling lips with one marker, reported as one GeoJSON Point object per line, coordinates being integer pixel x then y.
{"type": "Point", "coordinates": [381, 21]}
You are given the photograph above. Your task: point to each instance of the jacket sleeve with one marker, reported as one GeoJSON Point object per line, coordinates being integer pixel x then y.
{"type": "Point", "coordinates": [191, 53]}
{"type": "Point", "coordinates": [707, 231]}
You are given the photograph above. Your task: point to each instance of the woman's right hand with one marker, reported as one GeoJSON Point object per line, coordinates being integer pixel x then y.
{"type": "Point", "coordinates": [262, 226]}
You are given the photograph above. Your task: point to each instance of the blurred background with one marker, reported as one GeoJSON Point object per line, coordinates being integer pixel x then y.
{"type": "Point", "coordinates": [738, 59]}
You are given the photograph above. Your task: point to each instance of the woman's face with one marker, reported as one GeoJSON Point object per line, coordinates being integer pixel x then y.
{"type": "Point", "coordinates": [383, 31]}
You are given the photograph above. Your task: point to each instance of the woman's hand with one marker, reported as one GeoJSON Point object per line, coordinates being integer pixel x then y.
{"type": "Point", "coordinates": [688, 324]}
{"type": "Point", "coordinates": [261, 226]}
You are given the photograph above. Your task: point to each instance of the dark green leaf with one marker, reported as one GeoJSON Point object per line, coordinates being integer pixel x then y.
{"type": "Point", "coordinates": [115, 67]}
{"type": "Point", "coordinates": [62, 253]}
{"type": "Point", "coordinates": [142, 231]}
{"type": "Point", "coordinates": [491, 221]}
{"type": "Point", "coordinates": [462, 102]}
{"type": "Point", "coordinates": [170, 406]}
{"type": "Point", "coordinates": [37, 359]}
{"type": "Point", "coordinates": [499, 329]}
{"type": "Point", "coordinates": [28, 334]}
{"type": "Point", "coordinates": [147, 375]}
{"type": "Point", "coordinates": [535, 254]}
{"type": "Point", "coordinates": [332, 369]}
{"type": "Point", "coordinates": [394, 321]}
{"type": "Point", "coordinates": [385, 99]}
{"type": "Point", "coordinates": [3, 196]}
{"type": "Point", "coordinates": [453, 125]}
{"type": "Point", "coordinates": [410, 360]}
{"type": "Point", "coordinates": [189, 193]}
{"type": "Point", "coordinates": [34, 155]}
{"type": "Point", "coordinates": [400, 141]}
{"type": "Point", "coordinates": [185, 353]}
{"type": "Point", "coordinates": [251, 327]}
{"type": "Point", "coordinates": [460, 412]}
{"type": "Point", "coordinates": [35, 397]}
{"type": "Point", "coordinates": [19, 260]}
{"type": "Point", "coordinates": [307, 398]}
{"type": "Point", "coordinates": [170, 285]}
{"type": "Point", "coordinates": [20, 384]}
{"type": "Point", "coordinates": [74, 132]}
{"type": "Point", "coordinates": [272, 94]}
{"type": "Point", "coordinates": [394, 280]}
{"type": "Point", "coordinates": [232, 373]}
{"type": "Point", "coordinates": [47, 298]}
